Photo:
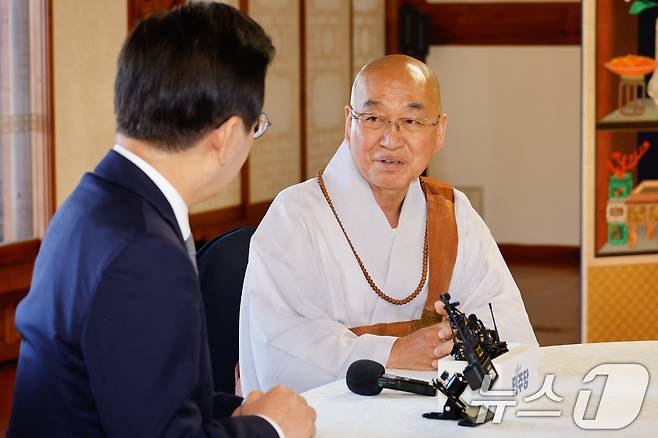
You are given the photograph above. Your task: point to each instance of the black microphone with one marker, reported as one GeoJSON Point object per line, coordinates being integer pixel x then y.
{"type": "Point", "coordinates": [367, 377]}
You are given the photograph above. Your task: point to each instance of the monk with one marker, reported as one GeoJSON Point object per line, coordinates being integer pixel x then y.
{"type": "Point", "coordinates": [350, 264]}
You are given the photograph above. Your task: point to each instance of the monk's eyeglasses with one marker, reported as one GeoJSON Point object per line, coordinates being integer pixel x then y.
{"type": "Point", "coordinates": [378, 122]}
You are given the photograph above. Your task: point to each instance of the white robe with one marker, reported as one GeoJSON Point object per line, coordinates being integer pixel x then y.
{"type": "Point", "coordinates": [303, 287]}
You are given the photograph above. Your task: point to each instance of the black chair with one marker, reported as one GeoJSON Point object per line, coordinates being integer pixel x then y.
{"type": "Point", "coordinates": [222, 263]}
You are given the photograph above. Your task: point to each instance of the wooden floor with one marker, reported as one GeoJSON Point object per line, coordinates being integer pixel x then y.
{"type": "Point", "coordinates": [551, 295]}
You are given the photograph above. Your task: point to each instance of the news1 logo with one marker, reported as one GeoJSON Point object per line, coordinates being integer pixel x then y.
{"type": "Point", "coordinates": [614, 412]}
{"type": "Point", "coordinates": [520, 380]}
{"type": "Point", "coordinates": [620, 401]}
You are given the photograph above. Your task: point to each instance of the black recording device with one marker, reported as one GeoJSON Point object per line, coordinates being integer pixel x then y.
{"type": "Point", "coordinates": [474, 343]}
{"type": "Point", "coordinates": [477, 345]}
{"type": "Point", "coordinates": [367, 377]}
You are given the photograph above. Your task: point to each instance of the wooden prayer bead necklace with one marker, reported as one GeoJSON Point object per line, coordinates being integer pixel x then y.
{"type": "Point", "coordinates": [369, 279]}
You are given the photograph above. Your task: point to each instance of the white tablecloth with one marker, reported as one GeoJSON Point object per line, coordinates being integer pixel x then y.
{"type": "Point", "coordinates": [397, 414]}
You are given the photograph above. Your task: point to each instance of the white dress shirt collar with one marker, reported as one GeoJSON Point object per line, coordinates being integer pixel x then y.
{"type": "Point", "coordinates": [175, 199]}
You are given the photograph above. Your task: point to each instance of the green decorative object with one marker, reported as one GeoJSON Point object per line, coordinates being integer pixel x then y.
{"type": "Point", "coordinates": [620, 187]}
{"type": "Point", "coordinates": [640, 5]}
{"type": "Point", "coordinates": [617, 234]}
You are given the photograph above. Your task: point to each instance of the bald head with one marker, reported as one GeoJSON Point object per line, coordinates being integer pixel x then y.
{"type": "Point", "coordinates": [402, 73]}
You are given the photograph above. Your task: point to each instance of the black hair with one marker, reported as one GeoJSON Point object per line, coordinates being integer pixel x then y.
{"type": "Point", "coordinates": [184, 72]}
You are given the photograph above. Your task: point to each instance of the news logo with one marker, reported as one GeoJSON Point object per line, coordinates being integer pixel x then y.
{"type": "Point", "coordinates": [612, 412]}
{"type": "Point", "coordinates": [631, 379]}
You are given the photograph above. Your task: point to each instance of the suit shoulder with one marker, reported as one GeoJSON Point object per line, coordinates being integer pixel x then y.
{"type": "Point", "coordinates": [106, 210]}
{"type": "Point", "coordinates": [96, 222]}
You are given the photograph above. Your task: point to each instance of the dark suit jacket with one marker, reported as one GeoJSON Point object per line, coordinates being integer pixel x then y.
{"type": "Point", "coordinates": [114, 333]}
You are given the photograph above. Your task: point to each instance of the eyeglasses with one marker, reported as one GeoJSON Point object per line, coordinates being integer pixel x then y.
{"type": "Point", "coordinates": [377, 122]}
{"type": "Point", "coordinates": [262, 124]}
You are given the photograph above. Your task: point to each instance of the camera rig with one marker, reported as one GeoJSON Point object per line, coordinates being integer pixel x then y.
{"type": "Point", "coordinates": [477, 345]}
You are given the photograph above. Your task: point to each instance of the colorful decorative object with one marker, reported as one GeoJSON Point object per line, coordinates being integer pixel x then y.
{"type": "Point", "coordinates": [618, 213]}
{"type": "Point", "coordinates": [638, 6]}
{"type": "Point", "coordinates": [631, 66]}
{"type": "Point", "coordinates": [620, 163]}
{"type": "Point", "coordinates": [618, 190]}
{"type": "Point", "coordinates": [617, 234]}
{"type": "Point", "coordinates": [615, 212]}
{"type": "Point", "coordinates": [631, 69]}
{"type": "Point", "coordinates": [642, 211]}
{"type": "Point", "coordinates": [616, 218]}
{"type": "Point", "coordinates": [620, 187]}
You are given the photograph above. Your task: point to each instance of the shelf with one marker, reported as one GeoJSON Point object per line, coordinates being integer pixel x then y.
{"type": "Point", "coordinates": [648, 121]}
{"type": "Point", "coordinates": [644, 246]}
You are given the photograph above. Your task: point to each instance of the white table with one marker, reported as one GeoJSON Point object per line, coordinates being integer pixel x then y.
{"type": "Point", "coordinates": [396, 414]}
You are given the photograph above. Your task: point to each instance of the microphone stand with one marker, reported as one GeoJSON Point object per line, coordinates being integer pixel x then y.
{"type": "Point", "coordinates": [455, 408]}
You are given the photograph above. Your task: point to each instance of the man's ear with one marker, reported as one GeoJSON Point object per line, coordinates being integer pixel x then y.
{"type": "Point", "coordinates": [348, 123]}
{"type": "Point", "coordinates": [441, 132]}
{"type": "Point", "coordinates": [222, 138]}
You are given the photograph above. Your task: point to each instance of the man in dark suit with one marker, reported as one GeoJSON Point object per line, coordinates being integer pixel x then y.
{"type": "Point", "coordinates": [114, 334]}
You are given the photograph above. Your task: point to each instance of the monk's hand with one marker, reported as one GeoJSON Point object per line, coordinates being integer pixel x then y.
{"type": "Point", "coordinates": [285, 407]}
{"type": "Point", "coordinates": [446, 342]}
{"type": "Point", "coordinates": [416, 351]}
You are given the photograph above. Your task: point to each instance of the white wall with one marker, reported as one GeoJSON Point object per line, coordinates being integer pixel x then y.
{"type": "Point", "coordinates": [514, 130]}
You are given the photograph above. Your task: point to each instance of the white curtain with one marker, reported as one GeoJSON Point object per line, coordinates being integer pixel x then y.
{"type": "Point", "coordinates": [24, 119]}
